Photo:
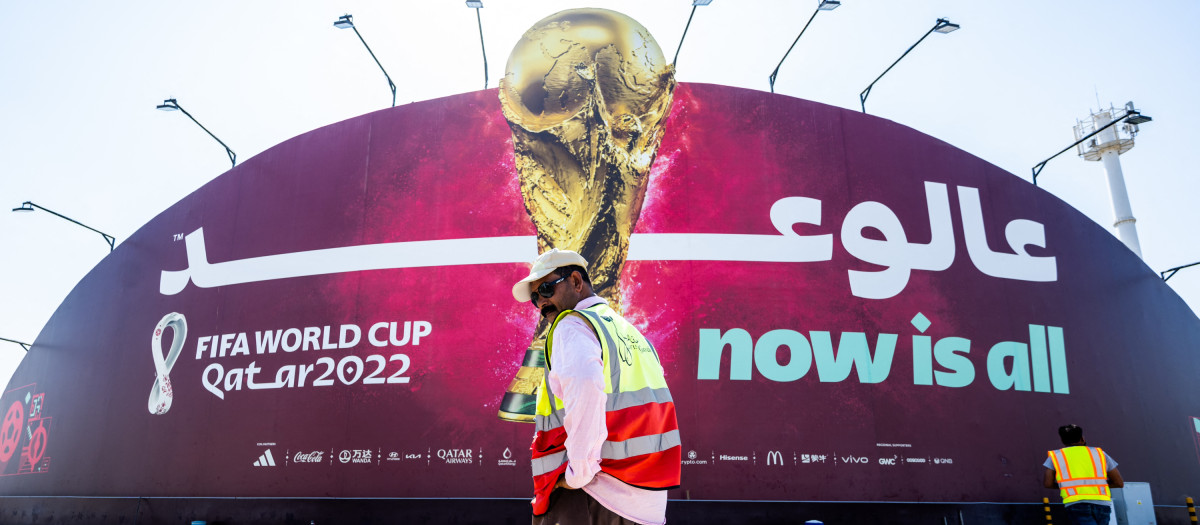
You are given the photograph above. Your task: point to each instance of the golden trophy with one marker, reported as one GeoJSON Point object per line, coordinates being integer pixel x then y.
{"type": "Point", "coordinates": [586, 93]}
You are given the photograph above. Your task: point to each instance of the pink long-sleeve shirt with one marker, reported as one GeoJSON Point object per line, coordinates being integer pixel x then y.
{"type": "Point", "coordinates": [577, 377]}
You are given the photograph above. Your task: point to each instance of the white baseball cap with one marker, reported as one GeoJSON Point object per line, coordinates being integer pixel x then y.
{"type": "Point", "coordinates": [544, 265]}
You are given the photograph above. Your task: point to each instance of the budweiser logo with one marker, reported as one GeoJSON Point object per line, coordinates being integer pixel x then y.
{"type": "Point", "coordinates": [310, 457]}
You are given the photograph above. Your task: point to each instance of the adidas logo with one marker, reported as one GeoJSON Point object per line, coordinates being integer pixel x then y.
{"type": "Point", "coordinates": [265, 460]}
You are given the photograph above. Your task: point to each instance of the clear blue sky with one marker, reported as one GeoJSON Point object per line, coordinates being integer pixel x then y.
{"type": "Point", "coordinates": [80, 135]}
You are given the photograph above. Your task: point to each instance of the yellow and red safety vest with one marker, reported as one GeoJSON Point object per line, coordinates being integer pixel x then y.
{"type": "Point", "coordinates": [642, 448]}
{"type": "Point", "coordinates": [1082, 473]}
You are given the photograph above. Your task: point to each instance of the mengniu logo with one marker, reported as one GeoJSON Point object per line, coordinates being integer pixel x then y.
{"type": "Point", "coordinates": [774, 457]}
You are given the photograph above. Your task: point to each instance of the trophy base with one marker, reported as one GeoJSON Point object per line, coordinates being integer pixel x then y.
{"type": "Point", "coordinates": [515, 418]}
{"type": "Point", "coordinates": [520, 400]}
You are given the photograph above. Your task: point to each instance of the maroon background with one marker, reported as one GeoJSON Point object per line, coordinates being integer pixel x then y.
{"type": "Point", "coordinates": [443, 169]}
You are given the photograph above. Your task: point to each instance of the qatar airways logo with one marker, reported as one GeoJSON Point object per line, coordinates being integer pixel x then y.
{"type": "Point", "coordinates": [456, 456]}
{"type": "Point", "coordinates": [885, 245]}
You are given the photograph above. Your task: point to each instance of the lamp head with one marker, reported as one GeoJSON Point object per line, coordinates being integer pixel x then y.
{"type": "Point", "coordinates": [701, 2]}
{"type": "Point", "coordinates": [25, 206]}
{"type": "Point", "coordinates": [944, 26]}
{"type": "Point", "coordinates": [475, 4]}
{"type": "Point", "coordinates": [1135, 117]}
{"type": "Point", "coordinates": [1138, 118]}
{"type": "Point", "coordinates": [829, 5]}
{"type": "Point", "coordinates": [344, 22]}
{"type": "Point", "coordinates": [168, 105]}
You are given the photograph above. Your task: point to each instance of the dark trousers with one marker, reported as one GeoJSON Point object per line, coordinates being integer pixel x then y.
{"type": "Point", "coordinates": [576, 507]}
{"type": "Point", "coordinates": [1088, 514]}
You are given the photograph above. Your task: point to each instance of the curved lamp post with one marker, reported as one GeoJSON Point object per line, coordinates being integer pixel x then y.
{"type": "Point", "coordinates": [477, 5]}
{"type": "Point", "coordinates": [1131, 116]}
{"type": "Point", "coordinates": [1170, 272]}
{"type": "Point", "coordinates": [825, 5]}
{"type": "Point", "coordinates": [695, 4]}
{"type": "Point", "coordinates": [347, 22]}
{"type": "Point", "coordinates": [23, 345]}
{"type": "Point", "coordinates": [171, 104]}
{"type": "Point", "coordinates": [29, 206]}
{"type": "Point", "coordinates": [941, 26]}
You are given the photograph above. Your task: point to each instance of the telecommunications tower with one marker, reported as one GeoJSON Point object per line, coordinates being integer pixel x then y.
{"type": "Point", "coordinates": [1107, 146]}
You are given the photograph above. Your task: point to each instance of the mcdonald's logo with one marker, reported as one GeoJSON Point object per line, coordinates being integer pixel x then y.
{"type": "Point", "coordinates": [774, 457]}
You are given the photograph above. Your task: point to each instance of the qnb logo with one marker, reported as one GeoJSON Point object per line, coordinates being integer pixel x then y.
{"type": "Point", "coordinates": [161, 394]}
{"type": "Point", "coordinates": [266, 460]}
{"type": "Point", "coordinates": [774, 457]}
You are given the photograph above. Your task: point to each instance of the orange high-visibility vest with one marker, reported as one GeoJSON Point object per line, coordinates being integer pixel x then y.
{"type": "Point", "coordinates": [1082, 473]}
{"type": "Point", "coordinates": [642, 448]}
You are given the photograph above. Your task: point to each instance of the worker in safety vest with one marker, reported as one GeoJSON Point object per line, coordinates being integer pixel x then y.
{"type": "Point", "coordinates": [1083, 475]}
{"type": "Point", "coordinates": [605, 419]}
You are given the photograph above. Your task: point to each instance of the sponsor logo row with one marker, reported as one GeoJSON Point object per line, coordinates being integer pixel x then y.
{"type": "Point", "coordinates": [781, 459]}
{"type": "Point", "coordinates": [268, 452]}
{"type": "Point", "coordinates": [465, 456]}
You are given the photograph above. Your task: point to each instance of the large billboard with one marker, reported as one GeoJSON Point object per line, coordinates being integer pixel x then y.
{"type": "Point", "coordinates": [846, 310]}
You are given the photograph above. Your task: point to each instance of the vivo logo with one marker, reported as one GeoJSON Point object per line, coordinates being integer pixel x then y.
{"type": "Point", "coordinates": [852, 459]}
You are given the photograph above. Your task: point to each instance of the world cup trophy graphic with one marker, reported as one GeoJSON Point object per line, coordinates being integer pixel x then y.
{"type": "Point", "coordinates": [586, 93]}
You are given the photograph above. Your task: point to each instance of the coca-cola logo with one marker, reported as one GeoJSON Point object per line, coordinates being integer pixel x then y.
{"type": "Point", "coordinates": [309, 457]}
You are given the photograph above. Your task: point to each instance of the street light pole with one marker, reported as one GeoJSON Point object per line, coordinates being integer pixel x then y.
{"type": "Point", "coordinates": [941, 26]}
{"type": "Point", "coordinates": [171, 104]}
{"type": "Point", "coordinates": [347, 22]}
{"type": "Point", "coordinates": [23, 345]}
{"type": "Point", "coordinates": [1131, 115]}
{"type": "Point", "coordinates": [825, 5]}
{"type": "Point", "coordinates": [29, 206]}
{"type": "Point", "coordinates": [695, 4]}
{"type": "Point", "coordinates": [1170, 272]}
{"type": "Point", "coordinates": [477, 5]}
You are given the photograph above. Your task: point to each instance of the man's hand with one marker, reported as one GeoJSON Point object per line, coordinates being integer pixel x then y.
{"type": "Point", "coordinates": [562, 483]}
{"type": "Point", "coordinates": [1115, 480]}
{"type": "Point", "coordinates": [1049, 480]}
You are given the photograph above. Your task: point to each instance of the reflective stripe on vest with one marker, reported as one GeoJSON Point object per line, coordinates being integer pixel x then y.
{"type": "Point", "coordinates": [615, 401]}
{"type": "Point", "coordinates": [1081, 473]}
{"type": "Point", "coordinates": [614, 450]}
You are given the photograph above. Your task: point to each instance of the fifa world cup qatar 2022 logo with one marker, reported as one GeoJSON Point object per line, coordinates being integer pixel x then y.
{"type": "Point", "coordinates": [586, 93]}
{"type": "Point", "coordinates": [161, 393]}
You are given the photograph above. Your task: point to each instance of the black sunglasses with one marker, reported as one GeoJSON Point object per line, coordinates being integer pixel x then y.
{"type": "Point", "coordinates": [545, 289]}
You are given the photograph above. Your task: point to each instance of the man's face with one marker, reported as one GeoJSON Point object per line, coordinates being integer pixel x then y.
{"type": "Point", "coordinates": [566, 294]}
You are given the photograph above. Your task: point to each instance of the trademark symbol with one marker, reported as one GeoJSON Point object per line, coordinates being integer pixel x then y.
{"type": "Point", "coordinates": [177, 236]}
